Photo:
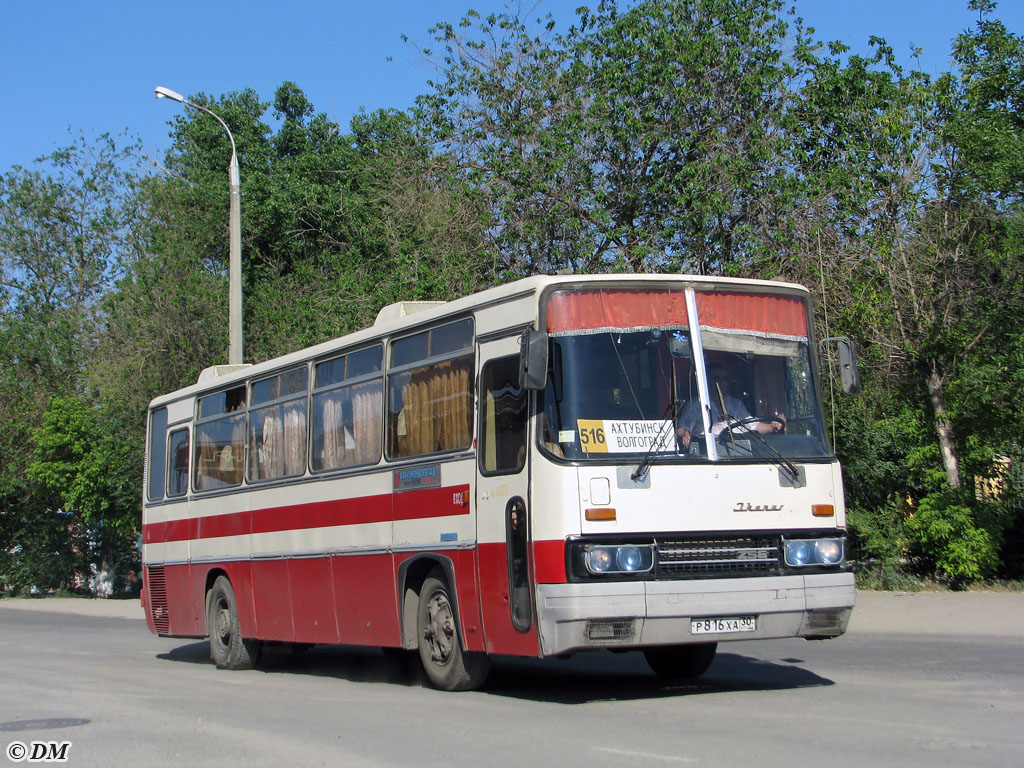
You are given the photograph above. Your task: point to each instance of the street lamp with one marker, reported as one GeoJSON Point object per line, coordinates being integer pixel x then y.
{"type": "Point", "coordinates": [235, 234]}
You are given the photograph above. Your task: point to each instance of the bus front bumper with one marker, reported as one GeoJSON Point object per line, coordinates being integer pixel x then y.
{"type": "Point", "coordinates": [576, 617]}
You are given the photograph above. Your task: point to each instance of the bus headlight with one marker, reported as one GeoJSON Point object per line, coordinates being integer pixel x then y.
{"type": "Point", "coordinates": [599, 559]}
{"type": "Point", "coordinates": [618, 558]}
{"type": "Point", "coordinates": [828, 551]}
{"type": "Point", "coordinates": [628, 559]}
{"type": "Point", "coordinates": [800, 552]}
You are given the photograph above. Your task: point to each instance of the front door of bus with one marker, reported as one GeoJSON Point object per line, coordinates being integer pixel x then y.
{"type": "Point", "coordinates": [503, 520]}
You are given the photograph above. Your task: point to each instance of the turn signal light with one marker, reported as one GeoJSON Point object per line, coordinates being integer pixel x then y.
{"type": "Point", "coordinates": [600, 513]}
{"type": "Point", "coordinates": [823, 510]}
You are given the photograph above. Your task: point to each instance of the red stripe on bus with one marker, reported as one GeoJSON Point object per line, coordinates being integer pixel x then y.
{"type": "Point", "coordinates": [406, 505]}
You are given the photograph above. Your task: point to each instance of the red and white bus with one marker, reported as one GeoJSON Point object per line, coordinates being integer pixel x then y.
{"type": "Point", "coordinates": [555, 465]}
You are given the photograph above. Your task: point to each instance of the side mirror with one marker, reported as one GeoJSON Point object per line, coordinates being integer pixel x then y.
{"type": "Point", "coordinates": [533, 359]}
{"type": "Point", "coordinates": [849, 376]}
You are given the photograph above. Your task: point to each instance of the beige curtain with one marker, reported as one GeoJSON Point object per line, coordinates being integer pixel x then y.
{"type": "Point", "coordinates": [355, 440]}
{"type": "Point", "coordinates": [294, 435]}
{"type": "Point", "coordinates": [367, 424]}
{"type": "Point", "coordinates": [334, 432]}
{"type": "Point", "coordinates": [272, 453]}
{"type": "Point", "coordinates": [437, 408]}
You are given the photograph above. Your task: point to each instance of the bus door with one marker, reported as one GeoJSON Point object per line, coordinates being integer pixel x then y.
{"type": "Point", "coordinates": [502, 499]}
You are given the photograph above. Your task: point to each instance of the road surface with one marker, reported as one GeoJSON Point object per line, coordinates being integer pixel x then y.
{"type": "Point", "coordinates": [923, 679]}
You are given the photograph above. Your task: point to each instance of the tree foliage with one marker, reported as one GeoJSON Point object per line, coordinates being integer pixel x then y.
{"type": "Point", "coordinates": [647, 139]}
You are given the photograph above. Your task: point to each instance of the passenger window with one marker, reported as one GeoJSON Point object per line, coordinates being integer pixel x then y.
{"type": "Point", "coordinates": [220, 440]}
{"type": "Point", "coordinates": [157, 454]}
{"type": "Point", "coordinates": [277, 425]}
{"type": "Point", "coordinates": [430, 391]}
{"type": "Point", "coordinates": [177, 479]}
{"type": "Point", "coordinates": [348, 410]}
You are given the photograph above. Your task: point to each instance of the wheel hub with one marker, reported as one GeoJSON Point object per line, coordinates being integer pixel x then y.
{"type": "Point", "coordinates": [223, 624]}
{"type": "Point", "coordinates": [440, 629]}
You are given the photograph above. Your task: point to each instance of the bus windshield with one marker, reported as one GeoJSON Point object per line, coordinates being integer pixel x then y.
{"type": "Point", "coordinates": [616, 391]}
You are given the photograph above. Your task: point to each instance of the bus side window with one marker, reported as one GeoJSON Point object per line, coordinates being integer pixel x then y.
{"type": "Point", "coordinates": [220, 440]}
{"type": "Point", "coordinates": [177, 480]}
{"type": "Point", "coordinates": [503, 443]}
{"type": "Point", "coordinates": [277, 427]}
{"type": "Point", "coordinates": [348, 417]}
{"type": "Point", "coordinates": [430, 391]}
{"type": "Point", "coordinates": [157, 454]}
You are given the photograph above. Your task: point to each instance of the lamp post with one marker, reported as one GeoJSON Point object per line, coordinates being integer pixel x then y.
{"type": "Point", "coordinates": [235, 234]}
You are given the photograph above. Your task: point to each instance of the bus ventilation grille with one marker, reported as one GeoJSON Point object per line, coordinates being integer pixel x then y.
{"type": "Point", "coordinates": [719, 557]}
{"type": "Point", "coordinates": [158, 599]}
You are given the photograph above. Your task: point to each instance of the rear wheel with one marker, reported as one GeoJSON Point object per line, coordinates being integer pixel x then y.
{"type": "Point", "coordinates": [447, 665]}
{"type": "Point", "coordinates": [681, 662]}
{"type": "Point", "coordinates": [228, 649]}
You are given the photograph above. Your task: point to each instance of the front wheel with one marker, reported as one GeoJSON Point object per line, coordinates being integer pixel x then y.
{"type": "Point", "coordinates": [448, 667]}
{"type": "Point", "coordinates": [681, 662]}
{"type": "Point", "coordinates": [228, 649]}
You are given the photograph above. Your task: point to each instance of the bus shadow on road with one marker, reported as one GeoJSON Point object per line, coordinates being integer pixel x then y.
{"type": "Point", "coordinates": [345, 662]}
{"type": "Point", "coordinates": [580, 679]}
{"type": "Point", "coordinates": [606, 676]}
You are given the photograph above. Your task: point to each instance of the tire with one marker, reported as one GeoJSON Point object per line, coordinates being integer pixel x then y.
{"type": "Point", "coordinates": [228, 649]}
{"type": "Point", "coordinates": [447, 666]}
{"type": "Point", "coordinates": [680, 662]}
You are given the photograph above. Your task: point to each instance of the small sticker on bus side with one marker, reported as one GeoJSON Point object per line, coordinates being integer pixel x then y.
{"type": "Point", "coordinates": [428, 476]}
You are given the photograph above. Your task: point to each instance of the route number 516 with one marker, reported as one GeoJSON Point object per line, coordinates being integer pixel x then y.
{"type": "Point", "coordinates": [592, 438]}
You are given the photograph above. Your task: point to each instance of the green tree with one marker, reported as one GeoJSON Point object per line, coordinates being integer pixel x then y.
{"type": "Point", "coordinates": [80, 460]}
{"type": "Point", "coordinates": [914, 249]}
{"type": "Point", "coordinates": [67, 231]}
{"type": "Point", "coordinates": [646, 139]}
{"type": "Point", "coordinates": [333, 224]}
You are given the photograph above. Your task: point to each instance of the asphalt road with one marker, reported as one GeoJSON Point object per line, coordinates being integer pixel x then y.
{"type": "Point", "coordinates": [928, 679]}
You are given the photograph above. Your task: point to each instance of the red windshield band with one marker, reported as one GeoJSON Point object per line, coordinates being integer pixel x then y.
{"type": "Point", "coordinates": [615, 309]}
{"type": "Point", "coordinates": [622, 309]}
{"type": "Point", "coordinates": [775, 315]}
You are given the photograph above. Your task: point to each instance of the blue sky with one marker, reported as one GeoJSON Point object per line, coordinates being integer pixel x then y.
{"type": "Point", "coordinates": [92, 66]}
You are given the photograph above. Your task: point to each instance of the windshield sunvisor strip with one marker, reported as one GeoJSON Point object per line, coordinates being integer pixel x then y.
{"type": "Point", "coordinates": [778, 316]}
{"type": "Point", "coordinates": [614, 310]}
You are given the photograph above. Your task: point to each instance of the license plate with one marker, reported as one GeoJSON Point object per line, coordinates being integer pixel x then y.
{"type": "Point", "coordinates": [723, 625]}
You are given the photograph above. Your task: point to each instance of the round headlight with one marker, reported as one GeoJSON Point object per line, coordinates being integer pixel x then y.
{"type": "Point", "coordinates": [628, 559]}
{"type": "Point", "coordinates": [599, 560]}
{"type": "Point", "coordinates": [828, 551]}
{"type": "Point", "coordinates": [798, 552]}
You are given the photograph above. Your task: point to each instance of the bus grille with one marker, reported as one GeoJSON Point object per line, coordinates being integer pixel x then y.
{"type": "Point", "coordinates": [718, 558]}
{"type": "Point", "coordinates": [158, 599]}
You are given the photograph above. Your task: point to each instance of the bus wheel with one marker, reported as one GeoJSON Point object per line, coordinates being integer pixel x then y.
{"type": "Point", "coordinates": [448, 667]}
{"type": "Point", "coordinates": [680, 662]}
{"type": "Point", "coordinates": [228, 649]}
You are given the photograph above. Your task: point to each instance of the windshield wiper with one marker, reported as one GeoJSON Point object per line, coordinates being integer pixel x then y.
{"type": "Point", "coordinates": [658, 442]}
{"type": "Point", "coordinates": [778, 459]}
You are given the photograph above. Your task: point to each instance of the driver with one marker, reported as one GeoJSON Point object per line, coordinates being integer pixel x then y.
{"type": "Point", "coordinates": [719, 383]}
